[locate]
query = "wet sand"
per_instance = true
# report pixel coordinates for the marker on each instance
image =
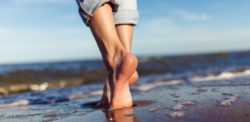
(193, 88)
(218, 100)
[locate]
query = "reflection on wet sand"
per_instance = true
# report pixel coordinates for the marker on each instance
(121, 115)
(126, 114)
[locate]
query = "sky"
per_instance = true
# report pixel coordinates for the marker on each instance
(52, 30)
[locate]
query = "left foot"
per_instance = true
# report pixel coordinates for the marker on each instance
(105, 99)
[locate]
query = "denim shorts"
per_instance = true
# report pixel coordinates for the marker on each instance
(124, 11)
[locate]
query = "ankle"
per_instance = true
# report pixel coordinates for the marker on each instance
(114, 58)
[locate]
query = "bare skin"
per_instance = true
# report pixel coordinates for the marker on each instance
(125, 33)
(122, 115)
(119, 62)
(105, 99)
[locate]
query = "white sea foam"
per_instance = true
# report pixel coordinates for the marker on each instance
(229, 101)
(184, 105)
(149, 86)
(81, 96)
(221, 76)
(40, 87)
(178, 107)
(96, 93)
(15, 104)
(177, 114)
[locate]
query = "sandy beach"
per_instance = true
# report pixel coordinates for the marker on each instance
(171, 60)
(218, 93)
(219, 100)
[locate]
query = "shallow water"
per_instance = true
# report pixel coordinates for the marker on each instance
(187, 102)
(191, 68)
(177, 87)
(155, 72)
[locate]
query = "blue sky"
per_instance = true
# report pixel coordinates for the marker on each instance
(51, 30)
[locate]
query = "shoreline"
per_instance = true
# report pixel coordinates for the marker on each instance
(221, 100)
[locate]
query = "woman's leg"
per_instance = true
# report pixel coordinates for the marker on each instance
(125, 33)
(118, 61)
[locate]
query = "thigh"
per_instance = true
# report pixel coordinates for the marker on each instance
(88, 7)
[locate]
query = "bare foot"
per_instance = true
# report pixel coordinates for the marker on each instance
(119, 85)
(122, 115)
(105, 99)
(133, 79)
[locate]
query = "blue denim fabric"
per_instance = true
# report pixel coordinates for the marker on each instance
(124, 11)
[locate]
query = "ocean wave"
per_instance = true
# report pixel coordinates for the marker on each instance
(155, 84)
(222, 76)
(170, 80)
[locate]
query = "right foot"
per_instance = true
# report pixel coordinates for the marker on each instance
(105, 99)
(133, 79)
(119, 85)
